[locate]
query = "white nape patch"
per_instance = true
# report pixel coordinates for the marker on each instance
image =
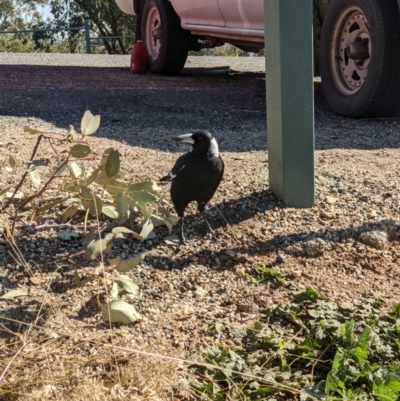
(213, 151)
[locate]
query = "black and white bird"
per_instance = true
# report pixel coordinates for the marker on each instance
(196, 175)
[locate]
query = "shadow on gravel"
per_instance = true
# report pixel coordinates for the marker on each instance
(18, 319)
(146, 110)
(306, 244)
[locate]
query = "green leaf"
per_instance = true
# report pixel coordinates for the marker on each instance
(49, 205)
(141, 196)
(169, 225)
(364, 339)
(16, 293)
(92, 177)
(313, 294)
(147, 186)
(119, 311)
(360, 355)
(66, 235)
(125, 230)
(110, 211)
(80, 151)
(309, 294)
(157, 221)
(91, 202)
(395, 306)
(68, 213)
(104, 158)
(34, 164)
(96, 248)
(33, 131)
(142, 207)
(114, 186)
(89, 123)
(88, 238)
(128, 264)
(173, 219)
(127, 284)
(317, 391)
(80, 282)
(164, 211)
(71, 187)
(3, 192)
(13, 161)
(101, 179)
(114, 290)
(114, 261)
(122, 205)
(70, 133)
(112, 165)
(76, 170)
(147, 229)
(172, 240)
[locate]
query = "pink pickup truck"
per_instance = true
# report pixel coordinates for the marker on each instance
(359, 45)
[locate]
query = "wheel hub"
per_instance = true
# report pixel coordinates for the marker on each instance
(358, 50)
(350, 50)
(153, 33)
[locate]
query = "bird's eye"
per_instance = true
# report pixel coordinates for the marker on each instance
(199, 138)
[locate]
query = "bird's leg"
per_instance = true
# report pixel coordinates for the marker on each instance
(208, 224)
(182, 235)
(223, 217)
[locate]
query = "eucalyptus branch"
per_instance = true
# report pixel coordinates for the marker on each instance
(36, 195)
(19, 185)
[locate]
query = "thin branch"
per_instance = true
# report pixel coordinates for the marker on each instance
(35, 149)
(62, 226)
(10, 363)
(36, 195)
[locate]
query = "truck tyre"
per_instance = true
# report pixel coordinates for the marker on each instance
(166, 42)
(360, 57)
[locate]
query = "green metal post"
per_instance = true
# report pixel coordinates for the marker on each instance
(290, 99)
(87, 37)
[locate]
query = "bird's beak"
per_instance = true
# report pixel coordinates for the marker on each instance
(186, 138)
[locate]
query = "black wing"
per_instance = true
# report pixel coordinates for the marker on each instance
(179, 165)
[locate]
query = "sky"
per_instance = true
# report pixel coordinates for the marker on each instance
(45, 11)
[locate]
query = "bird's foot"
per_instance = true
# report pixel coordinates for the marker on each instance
(212, 232)
(182, 240)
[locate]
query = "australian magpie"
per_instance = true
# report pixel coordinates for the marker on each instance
(196, 175)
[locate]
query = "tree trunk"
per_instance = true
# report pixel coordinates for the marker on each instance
(320, 7)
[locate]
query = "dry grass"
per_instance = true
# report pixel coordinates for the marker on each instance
(58, 358)
(80, 365)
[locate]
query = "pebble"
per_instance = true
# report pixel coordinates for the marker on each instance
(330, 200)
(376, 239)
(280, 258)
(326, 215)
(240, 271)
(314, 248)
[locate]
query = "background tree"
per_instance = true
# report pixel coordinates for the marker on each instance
(320, 7)
(105, 17)
(18, 15)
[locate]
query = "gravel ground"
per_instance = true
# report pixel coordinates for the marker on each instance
(345, 245)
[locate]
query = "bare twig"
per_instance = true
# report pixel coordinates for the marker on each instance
(36, 195)
(10, 363)
(62, 226)
(25, 174)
